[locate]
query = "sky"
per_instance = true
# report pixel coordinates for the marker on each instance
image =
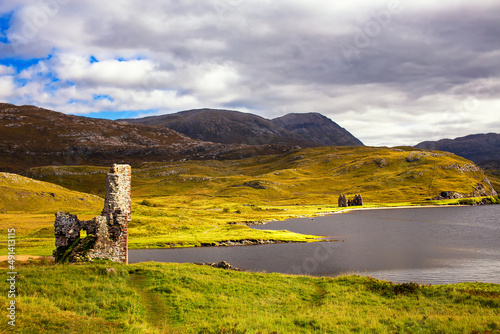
(392, 72)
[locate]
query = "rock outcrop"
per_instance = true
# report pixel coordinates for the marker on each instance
(221, 265)
(107, 234)
(479, 191)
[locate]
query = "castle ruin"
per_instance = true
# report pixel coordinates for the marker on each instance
(344, 202)
(107, 233)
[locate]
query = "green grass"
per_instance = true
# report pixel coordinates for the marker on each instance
(190, 203)
(196, 202)
(29, 206)
(494, 177)
(186, 298)
(23, 194)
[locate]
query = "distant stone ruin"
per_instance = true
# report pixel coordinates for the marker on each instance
(344, 202)
(107, 233)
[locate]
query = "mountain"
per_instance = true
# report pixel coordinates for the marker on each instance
(225, 126)
(234, 127)
(32, 136)
(317, 128)
(483, 149)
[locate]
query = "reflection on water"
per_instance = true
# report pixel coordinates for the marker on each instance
(425, 245)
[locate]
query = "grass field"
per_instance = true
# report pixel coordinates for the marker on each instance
(186, 298)
(195, 202)
(190, 203)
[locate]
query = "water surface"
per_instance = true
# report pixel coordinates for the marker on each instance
(425, 245)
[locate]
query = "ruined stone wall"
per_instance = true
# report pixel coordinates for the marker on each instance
(344, 202)
(110, 228)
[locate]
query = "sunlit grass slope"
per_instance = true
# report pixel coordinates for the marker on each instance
(186, 298)
(310, 176)
(192, 203)
(29, 205)
(27, 195)
(494, 177)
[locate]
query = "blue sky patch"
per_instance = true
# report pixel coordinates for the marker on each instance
(120, 114)
(21, 64)
(4, 26)
(103, 97)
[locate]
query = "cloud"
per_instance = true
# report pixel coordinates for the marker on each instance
(6, 87)
(118, 73)
(6, 70)
(390, 71)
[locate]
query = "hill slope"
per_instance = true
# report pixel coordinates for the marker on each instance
(317, 128)
(32, 136)
(20, 193)
(483, 149)
(225, 126)
(191, 203)
(308, 176)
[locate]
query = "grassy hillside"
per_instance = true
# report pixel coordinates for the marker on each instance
(192, 203)
(309, 176)
(494, 177)
(186, 298)
(29, 205)
(27, 195)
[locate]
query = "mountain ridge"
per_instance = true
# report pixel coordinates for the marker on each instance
(31, 136)
(482, 148)
(317, 128)
(236, 127)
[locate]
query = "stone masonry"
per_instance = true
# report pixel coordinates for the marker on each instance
(344, 202)
(109, 229)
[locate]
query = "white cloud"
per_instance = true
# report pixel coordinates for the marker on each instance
(7, 70)
(131, 73)
(431, 72)
(6, 87)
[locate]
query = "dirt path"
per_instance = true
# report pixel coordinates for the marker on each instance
(216, 227)
(156, 312)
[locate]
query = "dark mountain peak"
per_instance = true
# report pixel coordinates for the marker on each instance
(316, 127)
(236, 127)
(482, 148)
(226, 126)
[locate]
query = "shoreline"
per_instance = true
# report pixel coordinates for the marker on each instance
(396, 207)
(254, 242)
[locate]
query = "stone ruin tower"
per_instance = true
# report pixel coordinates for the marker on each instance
(107, 234)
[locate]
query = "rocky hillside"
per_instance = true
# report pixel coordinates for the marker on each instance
(234, 127)
(32, 136)
(317, 128)
(483, 149)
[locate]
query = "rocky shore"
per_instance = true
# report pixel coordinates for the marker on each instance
(246, 242)
(221, 264)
